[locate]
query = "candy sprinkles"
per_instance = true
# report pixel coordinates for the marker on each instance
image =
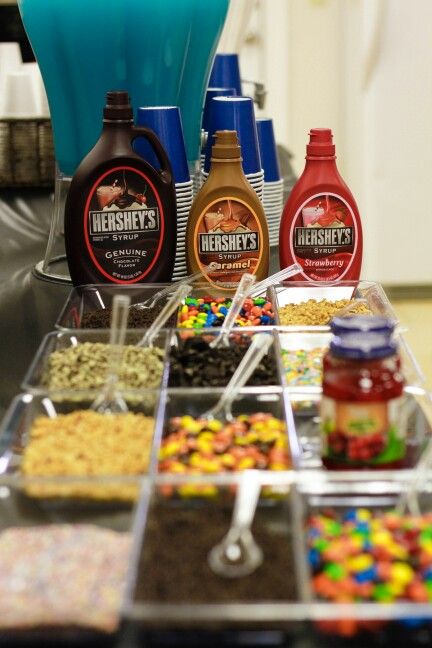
(303, 367)
(207, 312)
(62, 575)
(371, 556)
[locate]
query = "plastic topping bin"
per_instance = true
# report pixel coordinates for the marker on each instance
(95, 297)
(84, 461)
(54, 583)
(156, 603)
(193, 362)
(364, 294)
(369, 496)
(302, 349)
(190, 447)
(36, 380)
(92, 298)
(170, 582)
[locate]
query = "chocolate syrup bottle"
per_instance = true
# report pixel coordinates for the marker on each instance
(120, 215)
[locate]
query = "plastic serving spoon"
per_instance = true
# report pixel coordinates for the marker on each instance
(166, 312)
(238, 554)
(260, 344)
(151, 301)
(243, 289)
(274, 279)
(109, 401)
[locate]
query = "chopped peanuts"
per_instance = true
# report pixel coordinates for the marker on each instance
(88, 444)
(319, 313)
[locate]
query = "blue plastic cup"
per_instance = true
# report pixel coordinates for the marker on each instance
(268, 150)
(235, 113)
(165, 121)
(214, 92)
(226, 72)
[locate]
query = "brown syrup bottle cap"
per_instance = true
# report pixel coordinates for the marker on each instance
(118, 107)
(226, 146)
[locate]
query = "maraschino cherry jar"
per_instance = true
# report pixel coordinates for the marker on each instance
(361, 422)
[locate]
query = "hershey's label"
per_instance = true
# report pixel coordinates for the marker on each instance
(333, 236)
(248, 242)
(128, 221)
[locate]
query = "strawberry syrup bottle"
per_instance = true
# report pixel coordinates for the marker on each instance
(362, 425)
(320, 227)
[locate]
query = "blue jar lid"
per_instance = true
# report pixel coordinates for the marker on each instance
(363, 346)
(362, 323)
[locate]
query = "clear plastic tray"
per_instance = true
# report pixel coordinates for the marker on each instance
(91, 297)
(209, 334)
(33, 381)
(14, 436)
(301, 493)
(377, 492)
(20, 512)
(306, 338)
(371, 293)
(195, 401)
(215, 603)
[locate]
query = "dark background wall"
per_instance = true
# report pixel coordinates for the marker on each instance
(12, 30)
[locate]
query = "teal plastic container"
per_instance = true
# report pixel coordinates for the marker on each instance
(160, 52)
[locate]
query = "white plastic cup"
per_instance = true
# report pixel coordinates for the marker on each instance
(10, 61)
(39, 87)
(20, 96)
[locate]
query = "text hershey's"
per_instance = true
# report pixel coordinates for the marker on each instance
(248, 242)
(133, 220)
(332, 236)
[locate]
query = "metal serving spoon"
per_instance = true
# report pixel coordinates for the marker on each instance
(238, 554)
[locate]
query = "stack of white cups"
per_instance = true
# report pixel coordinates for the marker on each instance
(273, 206)
(184, 199)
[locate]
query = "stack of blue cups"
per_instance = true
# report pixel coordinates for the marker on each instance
(165, 121)
(273, 190)
(226, 73)
(237, 113)
(206, 121)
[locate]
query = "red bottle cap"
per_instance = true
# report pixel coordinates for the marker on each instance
(320, 143)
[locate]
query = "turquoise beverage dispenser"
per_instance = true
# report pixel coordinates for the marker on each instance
(159, 52)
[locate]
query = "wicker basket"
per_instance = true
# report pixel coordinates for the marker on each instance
(26, 153)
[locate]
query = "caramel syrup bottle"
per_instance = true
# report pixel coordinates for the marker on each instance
(227, 225)
(120, 214)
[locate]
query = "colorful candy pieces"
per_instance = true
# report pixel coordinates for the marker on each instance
(303, 367)
(199, 446)
(365, 556)
(207, 312)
